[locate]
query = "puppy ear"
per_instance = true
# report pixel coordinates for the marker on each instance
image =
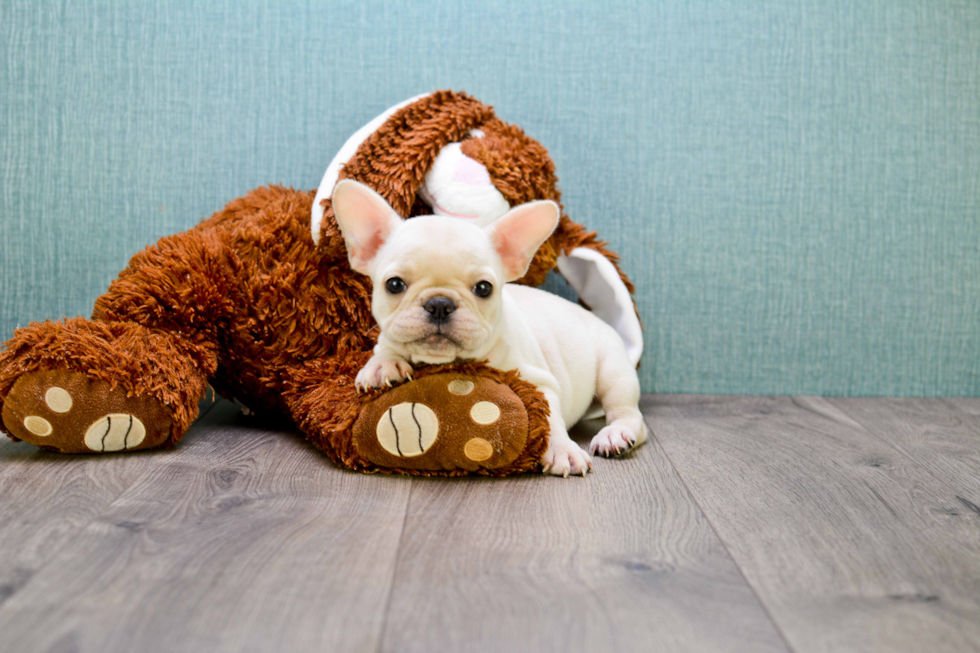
(519, 233)
(366, 220)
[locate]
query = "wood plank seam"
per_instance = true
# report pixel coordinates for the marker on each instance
(866, 536)
(944, 482)
(393, 574)
(654, 441)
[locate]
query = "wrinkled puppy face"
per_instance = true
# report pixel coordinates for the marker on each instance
(437, 281)
(437, 290)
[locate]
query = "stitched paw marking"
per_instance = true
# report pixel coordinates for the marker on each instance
(408, 429)
(461, 387)
(58, 399)
(477, 449)
(484, 412)
(38, 425)
(115, 432)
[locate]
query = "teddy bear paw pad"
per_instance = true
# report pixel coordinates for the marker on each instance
(70, 413)
(408, 429)
(443, 422)
(115, 432)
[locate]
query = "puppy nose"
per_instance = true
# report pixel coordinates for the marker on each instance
(439, 308)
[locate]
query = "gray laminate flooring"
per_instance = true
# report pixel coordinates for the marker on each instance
(746, 524)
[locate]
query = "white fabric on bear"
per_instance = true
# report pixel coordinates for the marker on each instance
(597, 283)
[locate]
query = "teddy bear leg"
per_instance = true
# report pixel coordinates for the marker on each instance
(81, 386)
(131, 377)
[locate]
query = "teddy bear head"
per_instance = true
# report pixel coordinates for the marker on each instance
(448, 154)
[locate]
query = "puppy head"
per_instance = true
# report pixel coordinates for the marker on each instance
(438, 280)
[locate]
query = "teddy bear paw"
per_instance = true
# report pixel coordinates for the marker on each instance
(443, 422)
(70, 413)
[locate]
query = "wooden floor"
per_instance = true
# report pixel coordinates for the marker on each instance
(746, 524)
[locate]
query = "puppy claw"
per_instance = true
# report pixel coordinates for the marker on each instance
(382, 372)
(614, 440)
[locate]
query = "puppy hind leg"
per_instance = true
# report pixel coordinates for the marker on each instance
(618, 390)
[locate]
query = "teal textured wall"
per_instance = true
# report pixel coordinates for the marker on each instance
(794, 186)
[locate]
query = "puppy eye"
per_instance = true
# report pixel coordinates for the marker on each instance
(395, 286)
(483, 289)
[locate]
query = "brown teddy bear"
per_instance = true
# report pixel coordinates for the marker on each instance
(270, 314)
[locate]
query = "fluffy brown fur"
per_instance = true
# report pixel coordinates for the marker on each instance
(246, 302)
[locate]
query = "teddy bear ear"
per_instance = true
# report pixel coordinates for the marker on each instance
(348, 150)
(365, 219)
(519, 233)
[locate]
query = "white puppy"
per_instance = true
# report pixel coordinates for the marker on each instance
(440, 295)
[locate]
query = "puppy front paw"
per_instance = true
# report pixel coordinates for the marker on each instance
(613, 440)
(564, 457)
(382, 372)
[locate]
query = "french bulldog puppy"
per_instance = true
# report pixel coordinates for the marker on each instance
(441, 295)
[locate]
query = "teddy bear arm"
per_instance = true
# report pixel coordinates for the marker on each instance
(452, 420)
